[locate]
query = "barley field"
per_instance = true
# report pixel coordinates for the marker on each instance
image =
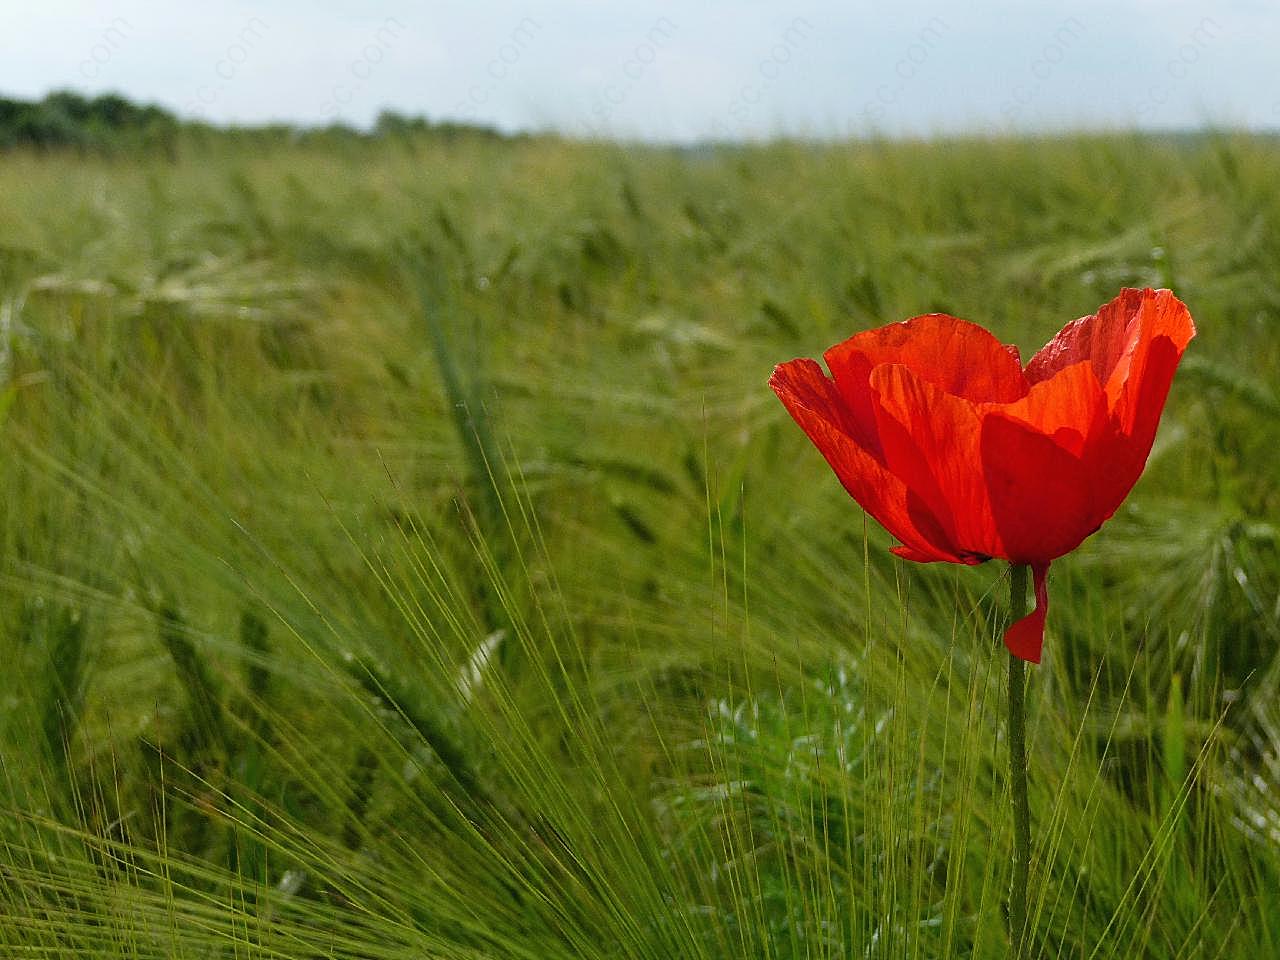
(402, 555)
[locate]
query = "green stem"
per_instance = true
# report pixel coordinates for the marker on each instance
(1018, 771)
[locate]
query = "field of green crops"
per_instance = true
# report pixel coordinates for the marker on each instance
(402, 555)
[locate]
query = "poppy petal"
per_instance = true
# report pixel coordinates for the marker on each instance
(931, 442)
(1119, 457)
(910, 553)
(1161, 315)
(1144, 395)
(1099, 338)
(817, 406)
(1070, 406)
(956, 356)
(1025, 638)
(1110, 338)
(1040, 492)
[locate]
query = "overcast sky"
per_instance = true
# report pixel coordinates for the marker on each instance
(668, 71)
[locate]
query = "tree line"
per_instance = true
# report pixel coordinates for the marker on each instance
(111, 122)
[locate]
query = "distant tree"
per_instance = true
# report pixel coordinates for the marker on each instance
(111, 122)
(65, 118)
(390, 123)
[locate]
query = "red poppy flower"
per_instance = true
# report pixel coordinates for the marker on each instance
(938, 431)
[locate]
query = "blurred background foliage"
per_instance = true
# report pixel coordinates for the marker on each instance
(402, 555)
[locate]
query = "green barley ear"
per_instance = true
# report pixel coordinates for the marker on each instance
(64, 631)
(396, 697)
(440, 314)
(255, 643)
(487, 514)
(1234, 382)
(255, 638)
(203, 698)
(1174, 743)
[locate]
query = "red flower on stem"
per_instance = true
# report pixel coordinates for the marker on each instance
(962, 454)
